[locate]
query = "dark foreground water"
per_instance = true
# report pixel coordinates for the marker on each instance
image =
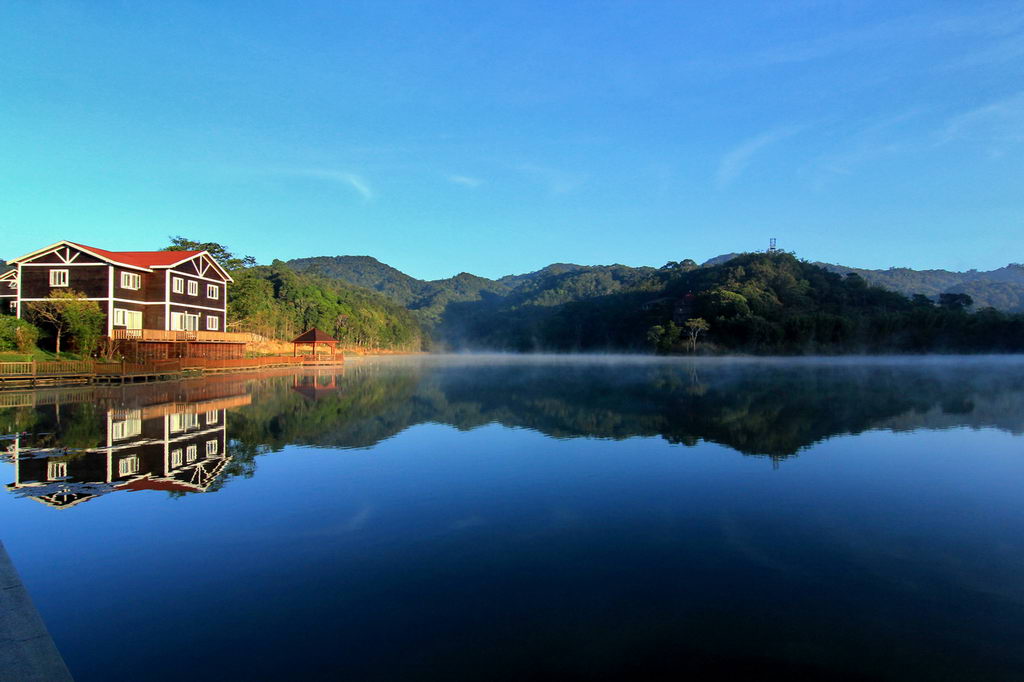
(511, 518)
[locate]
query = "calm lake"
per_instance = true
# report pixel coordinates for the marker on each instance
(509, 518)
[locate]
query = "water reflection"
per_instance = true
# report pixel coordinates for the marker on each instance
(71, 446)
(77, 446)
(767, 409)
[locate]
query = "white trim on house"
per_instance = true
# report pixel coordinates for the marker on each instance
(129, 300)
(46, 250)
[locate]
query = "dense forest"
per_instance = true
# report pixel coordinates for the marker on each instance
(756, 303)
(277, 302)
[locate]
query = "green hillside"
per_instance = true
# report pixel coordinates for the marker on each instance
(1002, 288)
(278, 302)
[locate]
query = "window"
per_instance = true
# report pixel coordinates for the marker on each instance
(126, 466)
(132, 319)
(176, 458)
(211, 448)
(58, 278)
(212, 322)
(129, 428)
(55, 470)
(191, 452)
(193, 288)
(14, 306)
(184, 321)
(131, 280)
(182, 421)
(212, 417)
(212, 291)
(177, 285)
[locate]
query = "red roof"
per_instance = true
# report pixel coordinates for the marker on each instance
(142, 259)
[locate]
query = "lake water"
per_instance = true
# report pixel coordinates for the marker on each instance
(509, 518)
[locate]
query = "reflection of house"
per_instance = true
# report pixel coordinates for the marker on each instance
(174, 447)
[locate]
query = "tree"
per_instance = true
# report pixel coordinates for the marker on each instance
(69, 313)
(695, 326)
(955, 301)
(219, 252)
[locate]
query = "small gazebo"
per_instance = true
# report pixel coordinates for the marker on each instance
(313, 337)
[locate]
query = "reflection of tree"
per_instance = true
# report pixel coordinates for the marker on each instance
(755, 408)
(68, 426)
(761, 409)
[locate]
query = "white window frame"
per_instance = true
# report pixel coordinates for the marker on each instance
(126, 466)
(56, 470)
(178, 285)
(212, 417)
(213, 323)
(58, 278)
(177, 458)
(130, 319)
(212, 291)
(191, 452)
(128, 428)
(193, 288)
(183, 421)
(212, 446)
(131, 280)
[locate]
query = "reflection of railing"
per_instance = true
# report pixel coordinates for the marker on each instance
(128, 368)
(177, 335)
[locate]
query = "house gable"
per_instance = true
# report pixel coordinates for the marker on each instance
(61, 253)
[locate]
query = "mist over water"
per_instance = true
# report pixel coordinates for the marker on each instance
(506, 516)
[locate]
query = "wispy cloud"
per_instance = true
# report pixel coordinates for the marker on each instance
(347, 179)
(999, 124)
(733, 163)
(465, 181)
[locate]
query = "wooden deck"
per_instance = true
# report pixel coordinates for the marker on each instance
(179, 336)
(38, 374)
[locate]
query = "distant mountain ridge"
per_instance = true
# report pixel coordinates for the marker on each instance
(1002, 288)
(429, 299)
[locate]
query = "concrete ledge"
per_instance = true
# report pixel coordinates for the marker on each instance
(27, 652)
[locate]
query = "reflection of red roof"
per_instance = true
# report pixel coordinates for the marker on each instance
(142, 259)
(150, 484)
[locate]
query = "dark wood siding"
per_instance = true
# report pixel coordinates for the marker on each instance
(90, 280)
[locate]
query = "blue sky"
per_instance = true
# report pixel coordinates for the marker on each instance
(498, 137)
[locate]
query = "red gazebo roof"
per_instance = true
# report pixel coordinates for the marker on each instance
(314, 335)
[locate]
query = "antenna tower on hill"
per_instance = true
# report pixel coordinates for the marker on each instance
(771, 245)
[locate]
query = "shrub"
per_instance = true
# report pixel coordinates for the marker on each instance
(17, 335)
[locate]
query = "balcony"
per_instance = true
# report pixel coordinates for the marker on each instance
(179, 336)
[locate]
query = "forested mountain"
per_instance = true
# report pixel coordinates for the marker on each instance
(278, 302)
(430, 301)
(1002, 289)
(760, 302)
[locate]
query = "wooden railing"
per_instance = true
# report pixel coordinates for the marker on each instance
(174, 336)
(154, 368)
(51, 368)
